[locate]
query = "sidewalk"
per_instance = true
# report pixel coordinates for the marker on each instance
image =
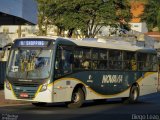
(8, 102)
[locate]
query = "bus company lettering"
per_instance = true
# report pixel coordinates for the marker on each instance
(112, 78)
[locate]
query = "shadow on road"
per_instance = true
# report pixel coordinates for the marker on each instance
(112, 109)
(95, 104)
(86, 104)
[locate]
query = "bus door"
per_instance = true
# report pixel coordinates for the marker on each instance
(64, 61)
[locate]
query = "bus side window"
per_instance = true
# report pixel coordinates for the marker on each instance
(129, 62)
(154, 65)
(78, 54)
(103, 59)
(86, 59)
(133, 64)
(115, 59)
(141, 58)
(148, 63)
(95, 61)
(64, 61)
(82, 58)
(103, 54)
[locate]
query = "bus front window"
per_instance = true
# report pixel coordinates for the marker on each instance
(29, 64)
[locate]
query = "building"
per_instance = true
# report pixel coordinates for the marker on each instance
(156, 37)
(136, 24)
(16, 12)
(137, 8)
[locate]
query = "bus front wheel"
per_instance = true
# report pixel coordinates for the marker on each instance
(133, 96)
(77, 99)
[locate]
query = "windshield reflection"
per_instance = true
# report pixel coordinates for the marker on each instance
(29, 64)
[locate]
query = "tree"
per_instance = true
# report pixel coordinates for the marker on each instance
(88, 16)
(43, 20)
(97, 13)
(123, 14)
(151, 14)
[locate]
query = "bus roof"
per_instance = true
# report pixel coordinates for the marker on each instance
(117, 45)
(147, 50)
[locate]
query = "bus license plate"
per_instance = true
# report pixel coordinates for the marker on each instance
(24, 95)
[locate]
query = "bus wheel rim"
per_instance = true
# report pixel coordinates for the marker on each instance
(76, 97)
(135, 94)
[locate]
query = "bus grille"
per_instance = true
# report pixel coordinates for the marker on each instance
(26, 85)
(31, 91)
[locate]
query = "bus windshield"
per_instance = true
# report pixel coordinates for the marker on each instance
(29, 63)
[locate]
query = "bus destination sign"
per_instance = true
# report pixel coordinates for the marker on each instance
(35, 43)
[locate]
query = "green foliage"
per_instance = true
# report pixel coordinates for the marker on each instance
(152, 14)
(42, 16)
(88, 16)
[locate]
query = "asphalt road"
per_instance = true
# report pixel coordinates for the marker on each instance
(147, 108)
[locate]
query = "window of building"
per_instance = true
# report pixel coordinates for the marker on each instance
(136, 25)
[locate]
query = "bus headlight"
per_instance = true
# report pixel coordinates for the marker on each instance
(43, 88)
(8, 85)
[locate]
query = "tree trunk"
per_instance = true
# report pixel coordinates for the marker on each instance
(70, 32)
(59, 31)
(46, 29)
(19, 31)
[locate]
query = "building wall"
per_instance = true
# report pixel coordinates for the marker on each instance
(137, 8)
(140, 27)
(10, 33)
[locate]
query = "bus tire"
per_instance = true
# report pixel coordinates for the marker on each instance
(77, 99)
(39, 104)
(133, 96)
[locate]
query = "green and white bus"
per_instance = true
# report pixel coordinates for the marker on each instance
(47, 70)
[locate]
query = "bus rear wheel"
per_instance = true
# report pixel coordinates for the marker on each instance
(133, 96)
(77, 99)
